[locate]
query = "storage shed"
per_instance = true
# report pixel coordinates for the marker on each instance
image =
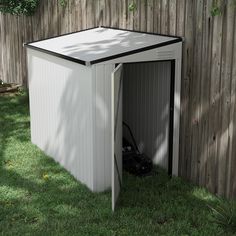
(83, 84)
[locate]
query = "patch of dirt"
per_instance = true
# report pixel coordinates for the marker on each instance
(6, 89)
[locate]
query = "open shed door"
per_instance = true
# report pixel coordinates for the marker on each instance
(117, 91)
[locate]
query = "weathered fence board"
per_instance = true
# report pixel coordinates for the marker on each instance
(208, 98)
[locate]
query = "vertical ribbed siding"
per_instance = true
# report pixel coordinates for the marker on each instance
(61, 112)
(146, 107)
(102, 126)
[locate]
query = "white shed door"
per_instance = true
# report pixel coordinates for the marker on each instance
(117, 90)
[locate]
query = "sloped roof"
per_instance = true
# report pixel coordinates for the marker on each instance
(101, 44)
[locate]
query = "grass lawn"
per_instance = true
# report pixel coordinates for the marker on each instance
(38, 197)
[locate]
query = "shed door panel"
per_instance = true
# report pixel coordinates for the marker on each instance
(117, 91)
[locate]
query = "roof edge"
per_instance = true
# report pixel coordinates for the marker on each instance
(85, 63)
(177, 40)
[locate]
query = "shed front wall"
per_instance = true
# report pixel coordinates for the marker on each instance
(61, 112)
(102, 98)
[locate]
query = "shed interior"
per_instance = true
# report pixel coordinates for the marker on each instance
(146, 107)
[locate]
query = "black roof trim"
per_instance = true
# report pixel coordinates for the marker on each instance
(135, 51)
(56, 54)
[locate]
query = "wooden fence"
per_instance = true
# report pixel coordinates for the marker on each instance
(208, 100)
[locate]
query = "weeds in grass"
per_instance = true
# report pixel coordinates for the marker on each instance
(224, 214)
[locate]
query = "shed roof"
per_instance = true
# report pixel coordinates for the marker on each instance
(101, 44)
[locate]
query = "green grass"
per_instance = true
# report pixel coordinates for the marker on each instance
(38, 197)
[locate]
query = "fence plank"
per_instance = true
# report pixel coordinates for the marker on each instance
(204, 95)
(185, 141)
(215, 96)
(195, 89)
(157, 16)
(226, 63)
(165, 16)
(150, 8)
(114, 14)
(172, 17)
(231, 180)
(137, 15)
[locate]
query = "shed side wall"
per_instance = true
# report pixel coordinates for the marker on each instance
(61, 112)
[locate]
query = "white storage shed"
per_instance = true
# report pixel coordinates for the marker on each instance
(83, 84)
